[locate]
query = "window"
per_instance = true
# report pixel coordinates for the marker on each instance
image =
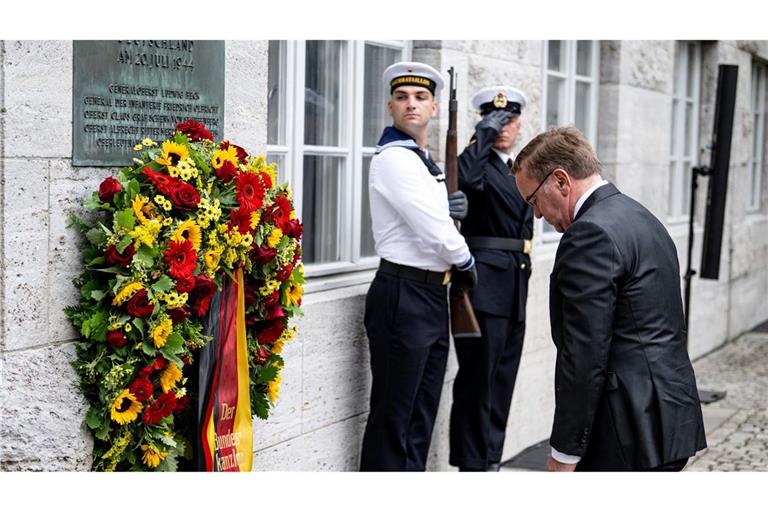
(757, 160)
(570, 88)
(326, 111)
(685, 128)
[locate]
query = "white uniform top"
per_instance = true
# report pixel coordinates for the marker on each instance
(409, 212)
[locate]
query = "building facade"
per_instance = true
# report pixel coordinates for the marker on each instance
(317, 109)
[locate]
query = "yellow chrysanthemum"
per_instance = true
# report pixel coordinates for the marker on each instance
(170, 377)
(175, 300)
(125, 408)
(274, 237)
(126, 293)
(149, 142)
(146, 234)
(161, 332)
(273, 388)
(293, 294)
(137, 147)
(223, 155)
(270, 169)
(172, 154)
(212, 258)
(141, 208)
(188, 230)
(152, 457)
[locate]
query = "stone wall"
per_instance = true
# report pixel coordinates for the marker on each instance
(41, 410)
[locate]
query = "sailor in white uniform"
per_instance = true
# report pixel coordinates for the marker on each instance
(406, 310)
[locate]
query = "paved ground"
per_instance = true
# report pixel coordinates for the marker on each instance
(736, 426)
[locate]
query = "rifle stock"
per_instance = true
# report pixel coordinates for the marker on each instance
(463, 321)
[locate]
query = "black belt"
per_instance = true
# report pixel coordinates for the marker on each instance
(504, 244)
(414, 274)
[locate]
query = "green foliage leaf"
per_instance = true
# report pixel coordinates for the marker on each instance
(96, 236)
(123, 243)
(163, 284)
(125, 219)
(148, 348)
(173, 345)
(146, 255)
(267, 374)
(97, 295)
(95, 419)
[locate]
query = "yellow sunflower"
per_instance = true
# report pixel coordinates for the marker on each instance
(169, 377)
(273, 388)
(151, 456)
(188, 230)
(255, 219)
(126, 293)
(274, 237)
(161, 332)
(223, 155)
(125, 408)
(172, 154)
(142, 208)
(212, 258)
(293, 294)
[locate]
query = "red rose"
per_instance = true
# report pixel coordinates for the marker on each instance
(249, 191)
(116, 339)
(241, 153)
(142, 389)
(145, 372)
(284, 273)
(275, 312)
(115, 258)
(185, 284)
(273, 299)
(264, 254)
(178, 315)
(271, 331)
(250, 294)
(108, 188)
(226, 172)
(139, 305)
(159, 363)
(200, 296)
(181, 259)
(184, 197)
(294, 229)
(194, 131)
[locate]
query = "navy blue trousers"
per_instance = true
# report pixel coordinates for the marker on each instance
(482, 391)
(407, 327)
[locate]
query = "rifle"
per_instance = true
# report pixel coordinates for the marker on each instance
(463, 321)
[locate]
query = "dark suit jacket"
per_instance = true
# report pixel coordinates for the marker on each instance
(625, 392)
(496, 209)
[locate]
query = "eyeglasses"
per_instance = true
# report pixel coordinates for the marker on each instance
(529, 199)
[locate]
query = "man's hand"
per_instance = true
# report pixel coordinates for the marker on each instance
(458, 205)
(495, 120)
(554, 465)
(465, 279)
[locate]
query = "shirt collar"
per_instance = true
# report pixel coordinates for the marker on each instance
(504, 156)
(586, 195)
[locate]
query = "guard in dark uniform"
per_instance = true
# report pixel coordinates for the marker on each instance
(406, 309)
(498, 229)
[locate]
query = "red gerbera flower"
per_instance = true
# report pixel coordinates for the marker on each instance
(193, 130)
(181, 258)
(226, 172)
(160, 408)
(250, 191)
(164, 183)
(142, 389)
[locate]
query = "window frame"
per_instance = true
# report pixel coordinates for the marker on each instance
(571, 78)
(678, 210)
(350, 148)
(758, 95)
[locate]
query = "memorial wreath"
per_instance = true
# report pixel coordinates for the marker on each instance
(158, 243)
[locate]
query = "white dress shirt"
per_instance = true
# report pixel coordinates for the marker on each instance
(504, 156)
(561, 457)
(409, 213)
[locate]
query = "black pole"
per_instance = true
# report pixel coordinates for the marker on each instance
(689, 272)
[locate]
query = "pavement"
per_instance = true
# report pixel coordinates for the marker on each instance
(736, 426)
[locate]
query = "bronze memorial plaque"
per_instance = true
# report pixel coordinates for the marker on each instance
(126, 91)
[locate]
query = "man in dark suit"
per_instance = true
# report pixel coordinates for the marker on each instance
(625, 391)
(498, 229)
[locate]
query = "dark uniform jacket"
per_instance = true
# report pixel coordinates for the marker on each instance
(496, 209)
(625, 391)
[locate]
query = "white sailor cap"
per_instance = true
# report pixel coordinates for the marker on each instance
(499, 97)
(413, 73)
